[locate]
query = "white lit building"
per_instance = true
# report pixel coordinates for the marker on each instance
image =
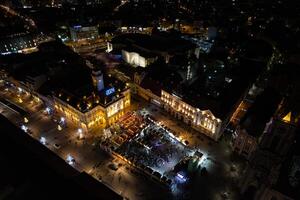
(136, 59)
(202, 120)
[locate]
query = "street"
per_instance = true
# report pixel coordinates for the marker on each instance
(125, 180)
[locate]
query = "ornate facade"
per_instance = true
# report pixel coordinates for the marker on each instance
(202, 120)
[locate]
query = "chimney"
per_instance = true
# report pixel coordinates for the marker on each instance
(98, 81)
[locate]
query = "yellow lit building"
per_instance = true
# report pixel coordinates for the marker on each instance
(101, 107)
(96, 111)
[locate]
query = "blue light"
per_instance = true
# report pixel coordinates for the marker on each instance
(24, 128)
(180, 177)
(43, 140)
(110, 91)
(70, 159)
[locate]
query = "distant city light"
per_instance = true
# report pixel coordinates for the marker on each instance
(180, 177)
(62, 120)
(80, 133)
(43, 140)
(70, 159)
(24, 128)
(26, 120)
(48, 110)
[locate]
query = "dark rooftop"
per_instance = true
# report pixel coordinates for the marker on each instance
(86, 97)
(160, 76)
(219, 96)
(153, 43)
(261, 112)
(288, 182)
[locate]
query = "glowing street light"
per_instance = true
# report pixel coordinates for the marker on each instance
(80, 133)
(24, 128)
(70, 159)
(43, 140)
(26, 120)
(62, 120)
(180, 176)
(48, 110)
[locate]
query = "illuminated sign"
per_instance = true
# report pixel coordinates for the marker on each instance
(110, 91)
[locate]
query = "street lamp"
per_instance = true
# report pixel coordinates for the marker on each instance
(48, 110)
(26, 120)
(80, 133)
(43, 140)
(70, 159)
(24, 128)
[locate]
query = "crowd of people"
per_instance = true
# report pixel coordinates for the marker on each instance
(154, 148)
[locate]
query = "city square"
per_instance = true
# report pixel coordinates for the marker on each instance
(149, 99)
(156, 148)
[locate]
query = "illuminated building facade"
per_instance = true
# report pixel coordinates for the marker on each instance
(202, 120)
(197, 101)
(97, 116)
(137, 59)
(84, 32)
(101, 106)
(95, 111)
(88, 98)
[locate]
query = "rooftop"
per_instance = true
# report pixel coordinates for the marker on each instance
(87, 97)
(261, 112)
(160, 77)
(153, 43)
